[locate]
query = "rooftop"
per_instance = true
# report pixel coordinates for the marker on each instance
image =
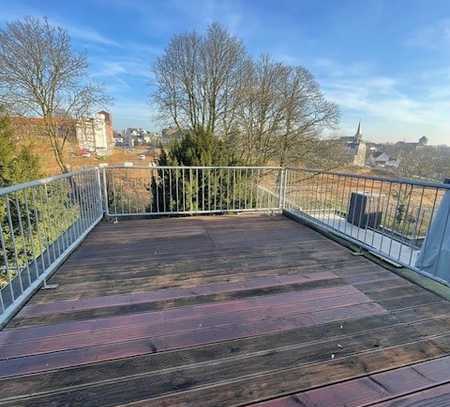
(221, 311)
(224, 286)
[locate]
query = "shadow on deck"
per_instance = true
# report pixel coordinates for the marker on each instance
(225, 311)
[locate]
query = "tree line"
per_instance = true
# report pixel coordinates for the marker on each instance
(256, 110)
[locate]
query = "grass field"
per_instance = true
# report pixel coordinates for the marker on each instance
(74, 159)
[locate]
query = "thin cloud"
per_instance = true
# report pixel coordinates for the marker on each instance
(393, 108)
(126, 67)
(88, 34)
(433, 37)
(79, 32)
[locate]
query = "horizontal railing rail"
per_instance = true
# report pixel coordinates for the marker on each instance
(409, 181)
(170, 190)
(404, 221)
(41, 222)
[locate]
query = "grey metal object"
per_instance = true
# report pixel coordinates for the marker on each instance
(387, 216)
(162, 191)
(41, 223)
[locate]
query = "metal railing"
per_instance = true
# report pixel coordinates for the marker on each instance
(401, 220)
(41, 222)
(159, 191)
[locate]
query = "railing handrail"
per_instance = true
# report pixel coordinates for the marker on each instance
(180, 190)
(405, 221)
(42, 181)
(400, 180)
(203, 167)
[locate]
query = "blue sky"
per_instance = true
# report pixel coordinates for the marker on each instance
(386, 63)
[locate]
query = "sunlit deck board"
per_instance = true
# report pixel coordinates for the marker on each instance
(427, 382)
(218, 311)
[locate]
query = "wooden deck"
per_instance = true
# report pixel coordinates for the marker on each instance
(225, 311)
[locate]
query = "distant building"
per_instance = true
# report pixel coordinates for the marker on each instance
(95, 134)
(137, 136)
(355, 148)
(129, 135)
(118, 139)
(409, 147)
(383, 160)
(26, 128)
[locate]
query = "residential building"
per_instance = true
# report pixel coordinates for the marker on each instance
(95, 134)
(137, 136)
(383, 160)
(118, 138)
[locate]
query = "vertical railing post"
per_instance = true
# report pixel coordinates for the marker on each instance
(100, 207)
(105, 193)
(285, 188)
(281, 188)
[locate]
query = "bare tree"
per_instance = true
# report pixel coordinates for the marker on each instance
(283, 114)
(199, 79)
(41, 75)
(306, 113)
(261, 111)
(265, 110)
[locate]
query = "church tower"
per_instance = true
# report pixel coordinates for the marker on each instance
(358, 134)
(359, 148)
(355, 148)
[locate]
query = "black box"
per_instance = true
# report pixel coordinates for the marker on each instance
(362, 210)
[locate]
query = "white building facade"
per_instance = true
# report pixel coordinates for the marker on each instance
(95, 134)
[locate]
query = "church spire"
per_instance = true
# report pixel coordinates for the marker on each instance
(358, 135)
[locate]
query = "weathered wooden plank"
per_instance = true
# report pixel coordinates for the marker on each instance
(139, 304)
(382, 285)
(371, 389)
(232, 382)
(254, 329)
(248, 389)
(172, 293)
(235, 264)
(168, 322)
(68, 358)
(346, 328)
(302, 301)
(434, 397)
(119, 270)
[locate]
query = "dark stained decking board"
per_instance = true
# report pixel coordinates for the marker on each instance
(225, 311)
